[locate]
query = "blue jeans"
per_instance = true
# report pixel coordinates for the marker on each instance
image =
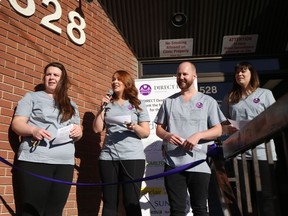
(176, 186)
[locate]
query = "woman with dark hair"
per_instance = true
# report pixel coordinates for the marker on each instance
(245, 82)
(244, 102)
(37, 119)
(122, 157)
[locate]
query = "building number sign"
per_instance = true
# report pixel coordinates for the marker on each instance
(48, 20)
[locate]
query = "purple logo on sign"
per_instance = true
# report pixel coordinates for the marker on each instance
(199, 105)
(256, 100)
(145, 89)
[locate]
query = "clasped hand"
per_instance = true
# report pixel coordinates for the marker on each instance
(130, 125)
(75, 132)
(187, 144)
(228, 129)
(41, 133)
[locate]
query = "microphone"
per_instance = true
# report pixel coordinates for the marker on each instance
(109, 93)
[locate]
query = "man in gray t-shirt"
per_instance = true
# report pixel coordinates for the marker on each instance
(188, 122)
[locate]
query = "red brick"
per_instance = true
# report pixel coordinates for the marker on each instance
(26, 48)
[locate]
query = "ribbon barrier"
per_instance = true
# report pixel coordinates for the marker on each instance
(212, 152)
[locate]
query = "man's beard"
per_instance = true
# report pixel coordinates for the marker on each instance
(185, 85)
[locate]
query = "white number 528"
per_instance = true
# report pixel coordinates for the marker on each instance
(47, 21)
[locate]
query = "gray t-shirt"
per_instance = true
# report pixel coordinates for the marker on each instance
(247, 109)
(121, 143)
(200, 113)
(41, 111)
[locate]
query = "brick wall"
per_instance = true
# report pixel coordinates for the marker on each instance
(26, 47)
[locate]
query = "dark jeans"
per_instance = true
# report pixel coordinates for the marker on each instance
(176, 186)
(39, 197)
(119, 171)
(215, 208)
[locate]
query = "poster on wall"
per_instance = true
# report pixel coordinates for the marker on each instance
(154, 198)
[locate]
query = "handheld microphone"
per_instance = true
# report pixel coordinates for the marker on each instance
(109, 93)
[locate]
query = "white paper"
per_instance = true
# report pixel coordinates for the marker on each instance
(118, 119)
(63, 135)
(197, 148)
(238, 124)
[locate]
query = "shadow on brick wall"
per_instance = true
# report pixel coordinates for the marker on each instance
(88, 150)
(14, 141)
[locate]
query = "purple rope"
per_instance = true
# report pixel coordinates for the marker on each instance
(212, 152)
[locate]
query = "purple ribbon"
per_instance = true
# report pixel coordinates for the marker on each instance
(213, 151)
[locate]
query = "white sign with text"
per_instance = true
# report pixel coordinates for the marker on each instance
(234, 44)
(176, 47)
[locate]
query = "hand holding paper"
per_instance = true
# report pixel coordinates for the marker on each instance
(196, 148)
(63, 135)
(238, 124)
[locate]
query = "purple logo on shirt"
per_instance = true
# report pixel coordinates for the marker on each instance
(145, 89)
(256, 100)
(130, 107)
(199, 105)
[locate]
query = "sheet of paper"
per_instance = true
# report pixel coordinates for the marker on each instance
(118, 119)
(197, 148)
(63, 135)
(238, 124)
